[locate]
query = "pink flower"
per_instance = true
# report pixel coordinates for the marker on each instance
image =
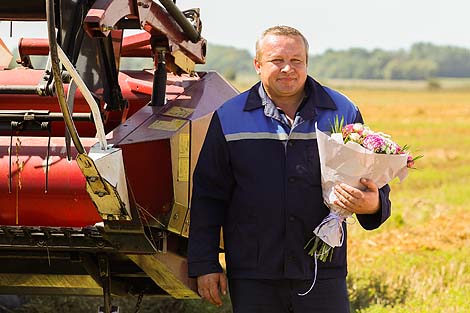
(410, 163)
(374, 143)
(348, 129)
(377, 142)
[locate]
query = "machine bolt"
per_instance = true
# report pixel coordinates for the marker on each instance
(105, 28)
(143, 5)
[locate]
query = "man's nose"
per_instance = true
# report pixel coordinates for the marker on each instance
(287, 67)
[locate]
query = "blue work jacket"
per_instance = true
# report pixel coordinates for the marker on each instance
(260, 180)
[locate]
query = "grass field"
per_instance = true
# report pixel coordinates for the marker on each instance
(419, 260)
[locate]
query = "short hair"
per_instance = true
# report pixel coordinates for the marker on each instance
(281, 30)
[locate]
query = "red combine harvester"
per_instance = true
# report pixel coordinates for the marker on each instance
(96, 162)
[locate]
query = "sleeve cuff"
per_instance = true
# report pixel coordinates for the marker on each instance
(196, 269)
(373, 221)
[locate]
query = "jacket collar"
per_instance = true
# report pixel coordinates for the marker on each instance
(315, 97)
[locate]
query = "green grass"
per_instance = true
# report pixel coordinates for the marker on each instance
(418, 281)
(418, 261)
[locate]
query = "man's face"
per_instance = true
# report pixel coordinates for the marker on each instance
(282, 65)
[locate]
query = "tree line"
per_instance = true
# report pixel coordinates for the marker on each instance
(420, 61)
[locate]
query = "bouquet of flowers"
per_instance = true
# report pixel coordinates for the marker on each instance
(352, 152)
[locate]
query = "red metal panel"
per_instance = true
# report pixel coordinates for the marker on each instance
(148, 170)
(26, 201)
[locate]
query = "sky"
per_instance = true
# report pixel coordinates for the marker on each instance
(332, 24)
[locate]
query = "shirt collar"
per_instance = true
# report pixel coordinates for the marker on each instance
(270, 108)
(315, 97)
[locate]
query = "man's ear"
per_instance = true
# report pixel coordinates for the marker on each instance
(257, 66)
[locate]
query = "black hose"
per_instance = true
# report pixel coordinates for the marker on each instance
(182, 21)
(159, 82)
(18, 90)
(59, 87)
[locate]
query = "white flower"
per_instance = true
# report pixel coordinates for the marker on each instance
(357, 127)
(355, 137)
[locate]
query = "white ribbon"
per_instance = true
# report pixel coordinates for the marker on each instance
(337, 224)
(314, 278)
(330, 230)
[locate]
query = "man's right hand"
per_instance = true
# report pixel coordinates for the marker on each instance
(209, 286)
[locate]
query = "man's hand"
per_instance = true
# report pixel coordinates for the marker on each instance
(209, 286)
(358, 201)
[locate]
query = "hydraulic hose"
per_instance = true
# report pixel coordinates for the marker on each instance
(59, 87)
(179, 17)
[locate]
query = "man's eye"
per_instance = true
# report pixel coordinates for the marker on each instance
(297, 61)
(277, 61)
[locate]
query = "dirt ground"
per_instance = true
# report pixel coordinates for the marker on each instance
(440, 232)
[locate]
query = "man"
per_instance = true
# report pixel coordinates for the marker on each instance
(258, 176)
